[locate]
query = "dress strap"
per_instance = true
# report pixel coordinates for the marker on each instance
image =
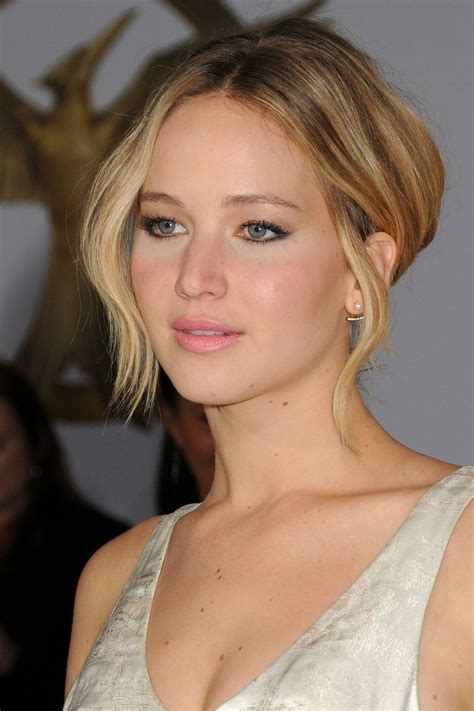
(401, 581)
(425, 535)
(151, 558)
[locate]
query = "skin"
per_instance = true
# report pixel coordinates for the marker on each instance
(292, 515)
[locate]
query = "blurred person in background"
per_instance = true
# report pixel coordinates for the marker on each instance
(47, 533)
(186, 467)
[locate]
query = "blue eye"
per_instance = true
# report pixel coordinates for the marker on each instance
(160, 227)
(257, 230)
(166, 226)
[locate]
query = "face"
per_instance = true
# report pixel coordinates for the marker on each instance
(15, 467)
(233, 228)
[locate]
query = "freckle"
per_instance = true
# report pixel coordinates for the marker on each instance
(219, 577)
(284, 403)
(218, 570)
(276, 454)
(435, 698)
(212, 602)
(251, 386)
(271, 599)
(202, 609)
(270, 402)
(249, 507)
(239, 649)
(167, 642)
(221, 657)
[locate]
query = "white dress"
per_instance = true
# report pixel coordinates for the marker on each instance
(360, 654)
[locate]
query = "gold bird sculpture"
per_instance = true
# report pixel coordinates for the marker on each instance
(51, 157)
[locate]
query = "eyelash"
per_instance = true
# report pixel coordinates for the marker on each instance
(280, 233)
(148, 224)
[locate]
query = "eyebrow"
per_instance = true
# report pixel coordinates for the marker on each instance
(151, 196)
(229, 201)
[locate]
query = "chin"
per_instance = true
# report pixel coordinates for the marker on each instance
(214, 392)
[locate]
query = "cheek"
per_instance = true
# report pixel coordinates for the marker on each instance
(140, 273)
(150, 281)
(299, 290)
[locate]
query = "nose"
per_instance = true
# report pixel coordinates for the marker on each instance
(202, 271)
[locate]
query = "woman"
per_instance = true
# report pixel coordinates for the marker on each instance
(274, 190)
(47, 534)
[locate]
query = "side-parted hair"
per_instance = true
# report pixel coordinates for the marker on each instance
(378, 166)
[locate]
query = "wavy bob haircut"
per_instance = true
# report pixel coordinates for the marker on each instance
(377, 163)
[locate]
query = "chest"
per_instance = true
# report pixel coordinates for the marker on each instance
(344, 622)
(223, 617)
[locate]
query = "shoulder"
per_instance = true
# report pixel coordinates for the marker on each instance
(99, 588)
(417, 471)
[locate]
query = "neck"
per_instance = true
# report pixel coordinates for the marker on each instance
(286, 444)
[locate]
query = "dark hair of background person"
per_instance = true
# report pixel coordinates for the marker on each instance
(176, 484)
(47, 456)
(43, 552)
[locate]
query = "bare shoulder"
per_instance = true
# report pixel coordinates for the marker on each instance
(99, 588)
(421, 470)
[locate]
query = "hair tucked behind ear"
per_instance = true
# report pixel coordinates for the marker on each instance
(378, 165)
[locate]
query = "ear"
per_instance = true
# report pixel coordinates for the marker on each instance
(382, 249)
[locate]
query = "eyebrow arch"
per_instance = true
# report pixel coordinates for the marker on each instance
(229, 201)
(255, 198)
(151, 196)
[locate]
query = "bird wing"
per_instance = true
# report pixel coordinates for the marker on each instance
(205, 17)
(211, 18)
(17, 169)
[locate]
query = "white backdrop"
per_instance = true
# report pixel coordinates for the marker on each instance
(423, 393)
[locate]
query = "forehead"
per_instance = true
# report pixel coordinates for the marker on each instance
(218, 137)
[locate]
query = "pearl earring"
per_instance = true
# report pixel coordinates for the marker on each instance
(357, 307)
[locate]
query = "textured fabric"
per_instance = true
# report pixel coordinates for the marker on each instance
(360, 654)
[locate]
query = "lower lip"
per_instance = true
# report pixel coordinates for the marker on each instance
(206, 344)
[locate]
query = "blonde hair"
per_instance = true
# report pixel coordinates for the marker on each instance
(379, 167)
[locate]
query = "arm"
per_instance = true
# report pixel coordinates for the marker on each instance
(99, 588)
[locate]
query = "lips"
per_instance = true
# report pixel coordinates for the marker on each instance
(221, 335)
(203, 324)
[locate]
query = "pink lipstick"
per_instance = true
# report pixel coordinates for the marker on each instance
(204, 335)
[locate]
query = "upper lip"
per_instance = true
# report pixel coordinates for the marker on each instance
(186, 323)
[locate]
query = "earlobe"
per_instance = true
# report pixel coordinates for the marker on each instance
(383, 251)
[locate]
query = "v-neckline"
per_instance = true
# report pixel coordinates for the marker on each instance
(318, 622)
